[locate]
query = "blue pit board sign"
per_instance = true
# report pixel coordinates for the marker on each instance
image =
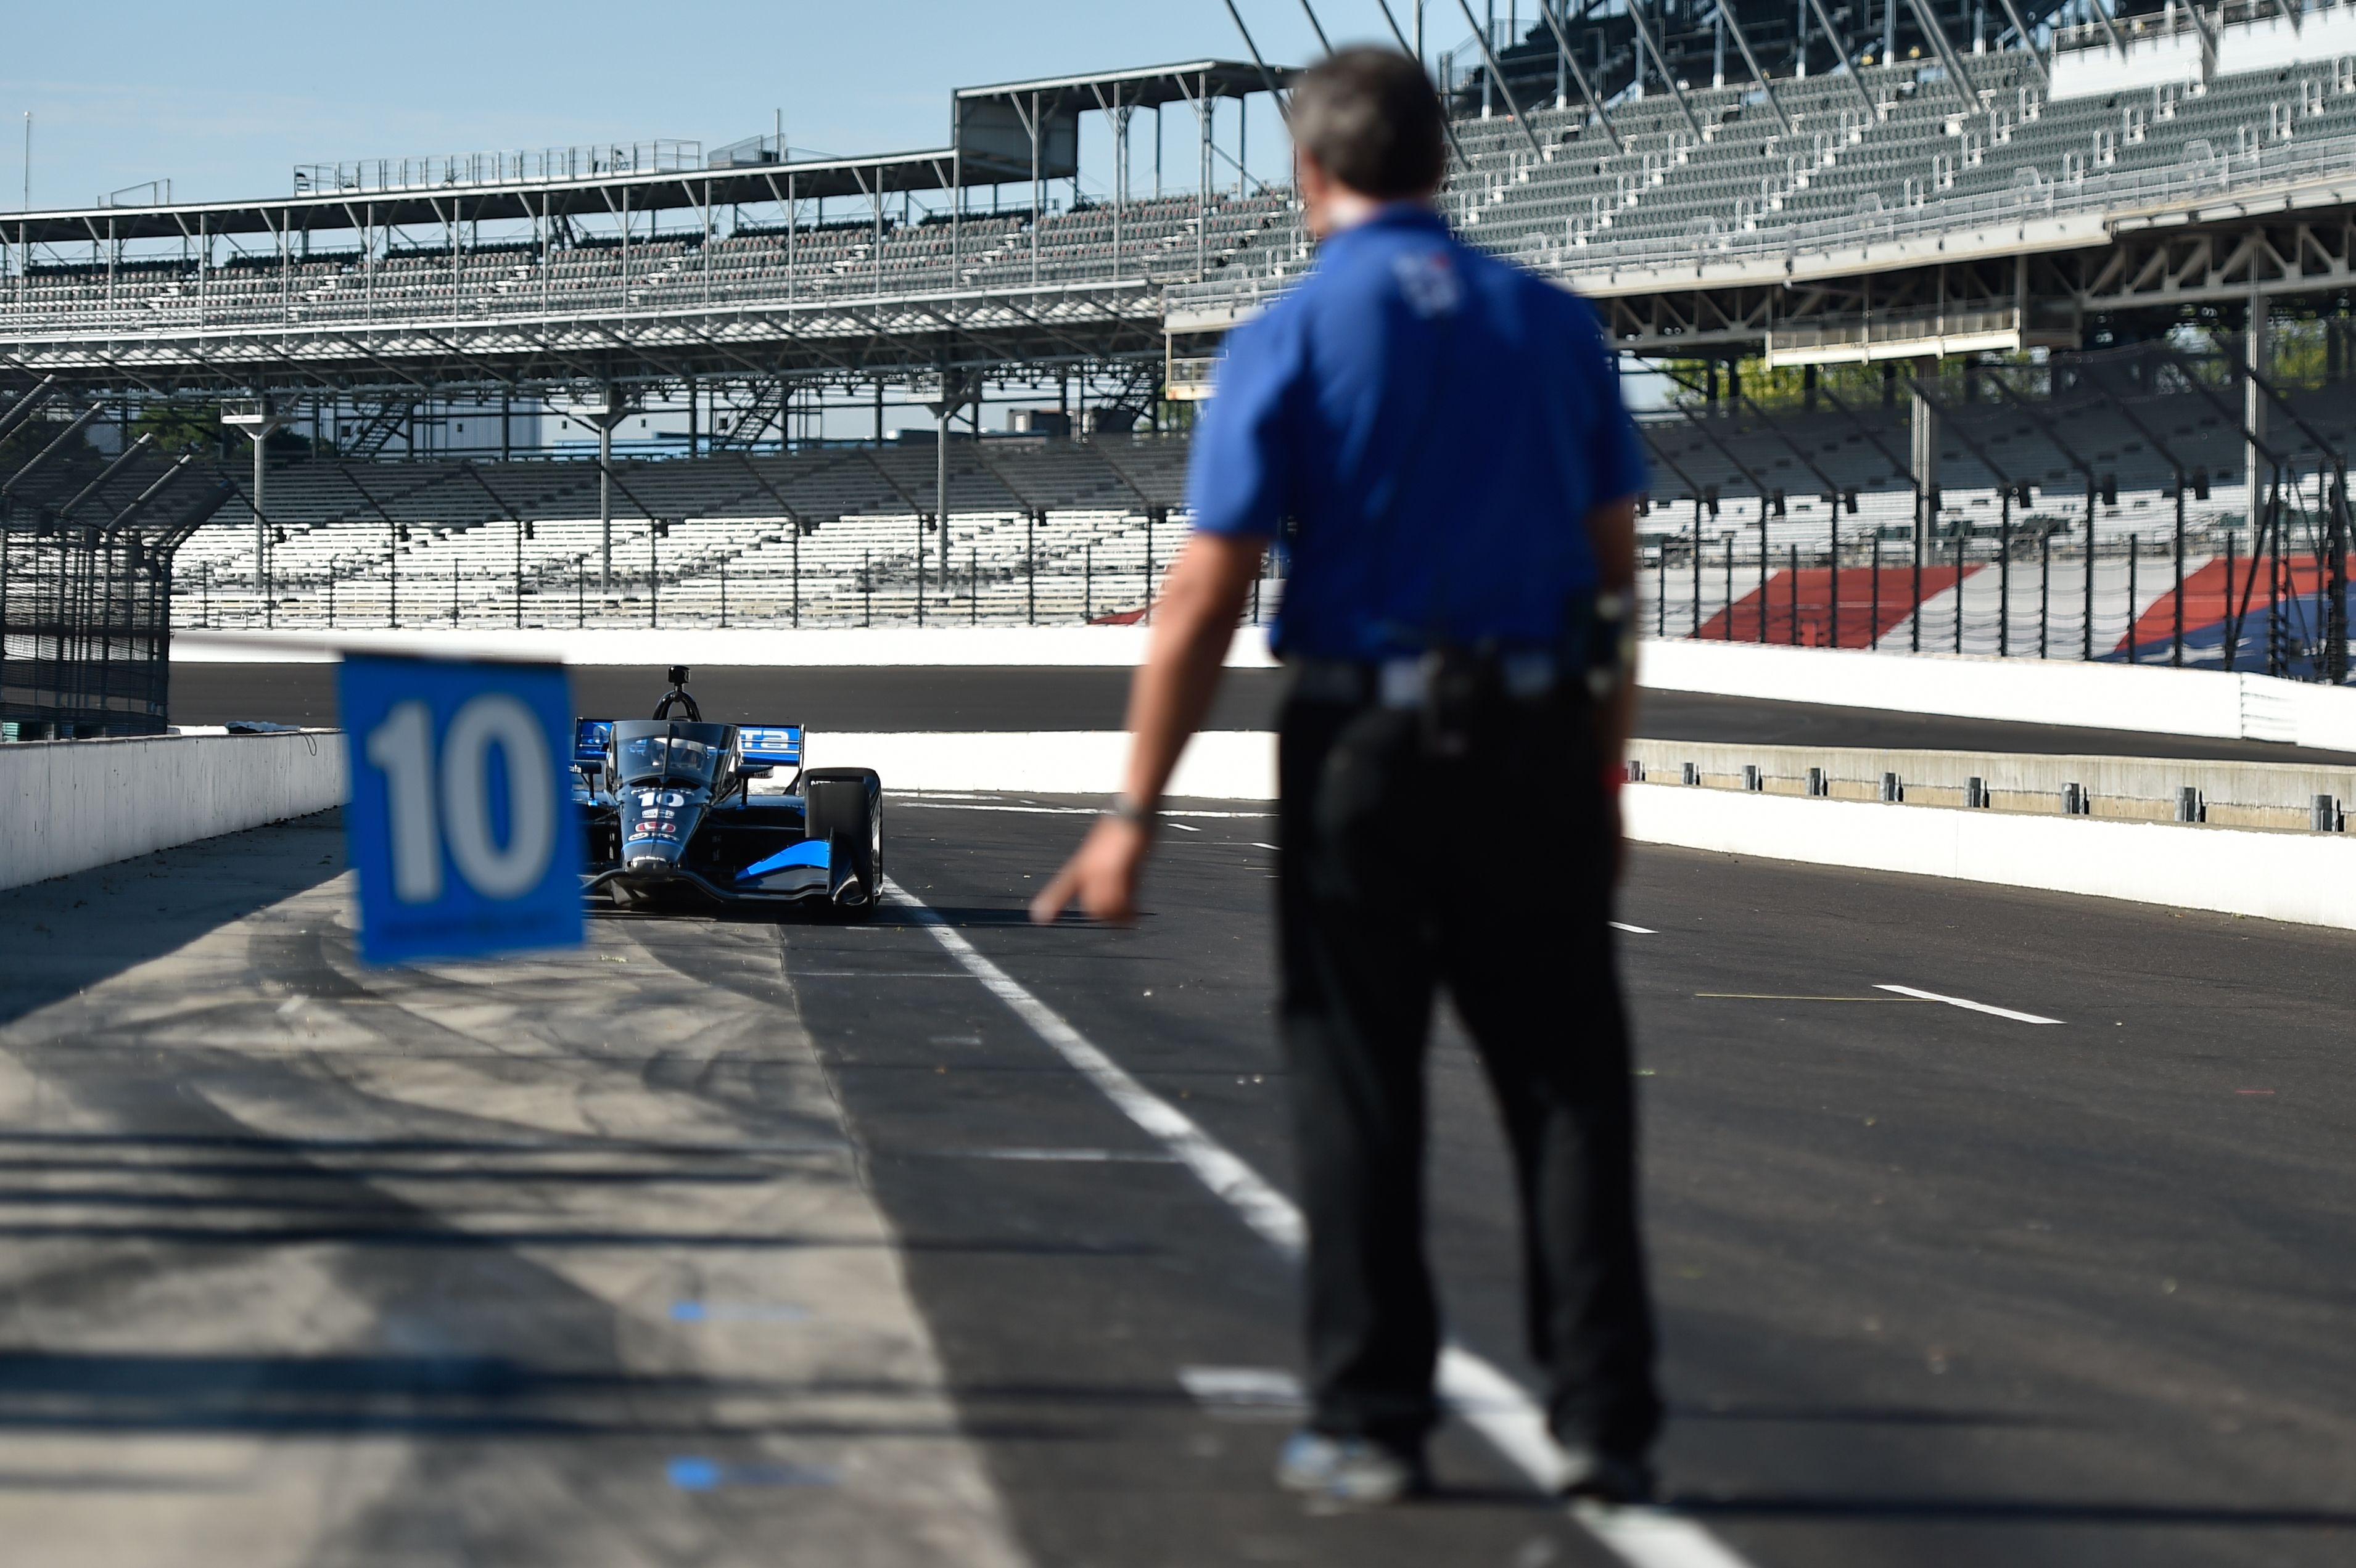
(461, 827)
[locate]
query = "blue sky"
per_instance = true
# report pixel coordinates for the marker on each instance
(225, 103)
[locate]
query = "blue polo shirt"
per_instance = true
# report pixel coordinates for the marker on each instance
(1436, 423)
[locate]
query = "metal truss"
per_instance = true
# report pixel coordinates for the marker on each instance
(854, 337)
(2168, 268)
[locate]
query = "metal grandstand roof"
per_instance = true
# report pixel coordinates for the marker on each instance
(1056, 98)
(1030, 130)
(1146, 87)
(604, 195)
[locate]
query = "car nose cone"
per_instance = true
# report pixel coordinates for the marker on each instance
(655, 828)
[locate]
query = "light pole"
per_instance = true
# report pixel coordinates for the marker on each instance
(615, 410)
(259, 418)
(956, 391)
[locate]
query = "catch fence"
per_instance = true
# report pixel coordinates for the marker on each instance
(86, 550)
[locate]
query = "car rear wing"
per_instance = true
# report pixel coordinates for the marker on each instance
(770, 745)
(592, 739)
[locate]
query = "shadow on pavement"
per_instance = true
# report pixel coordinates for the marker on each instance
(2002, 1510)
(72, 931)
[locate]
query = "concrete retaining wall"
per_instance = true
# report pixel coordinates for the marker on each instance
(2150, 698)
(1219, 764)
(72, 804)
(2144, 789)
(2277, 876)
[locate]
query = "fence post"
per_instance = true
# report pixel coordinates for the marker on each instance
(973, 586)
(2134, 552)
(2004, 582)
(2086, 628)
(1873, 632)
(1031, 565)
(1088, 583)
(2044, 588)
(1793, 558)
(1833, 591)
(1959, 587)
(2277, 656)
(1152, 515)
(1697, 566)
(798, 572)
(2176, 648)
(1730, 579)
(1766, 575)
(1914, 637)
(867, 587)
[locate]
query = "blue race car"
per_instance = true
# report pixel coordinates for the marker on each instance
(672, 819)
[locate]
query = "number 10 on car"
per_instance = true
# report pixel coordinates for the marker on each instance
(461, 826)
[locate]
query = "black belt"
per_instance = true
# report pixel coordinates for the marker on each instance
(1526, 674)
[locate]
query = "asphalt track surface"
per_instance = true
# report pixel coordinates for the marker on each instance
(923, 697)
(1937, 1285)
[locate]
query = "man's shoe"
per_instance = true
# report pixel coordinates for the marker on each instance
(1590, 1475)
(1348, 1469)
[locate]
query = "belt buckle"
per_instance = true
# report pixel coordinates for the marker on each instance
(1401, 683)
(1527, 675)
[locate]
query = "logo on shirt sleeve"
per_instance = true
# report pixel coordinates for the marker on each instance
(1428, 281)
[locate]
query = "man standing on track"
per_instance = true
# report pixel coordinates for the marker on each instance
(1438, 439)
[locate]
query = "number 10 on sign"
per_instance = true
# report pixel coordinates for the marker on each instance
(461, 826)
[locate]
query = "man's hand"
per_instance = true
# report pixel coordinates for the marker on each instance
(1194, 619)
(1102, 875)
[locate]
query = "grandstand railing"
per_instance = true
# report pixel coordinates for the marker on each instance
(545, 166)
(2027, 594)
(1578, 260)
(1111, 580)
(1157, 243)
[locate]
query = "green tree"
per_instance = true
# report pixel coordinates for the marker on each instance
(180, 427)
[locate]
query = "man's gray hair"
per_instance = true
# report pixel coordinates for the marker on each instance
(1371, 120)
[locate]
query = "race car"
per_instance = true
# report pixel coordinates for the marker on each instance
(672, 818)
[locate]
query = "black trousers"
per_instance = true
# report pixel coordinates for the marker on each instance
(1489, 874)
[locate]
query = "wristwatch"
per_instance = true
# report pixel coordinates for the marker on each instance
(1124, 809)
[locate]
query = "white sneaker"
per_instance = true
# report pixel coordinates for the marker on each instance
(1349, 1469)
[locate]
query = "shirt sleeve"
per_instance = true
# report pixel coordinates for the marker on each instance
(1615, 454)
(1241, 474)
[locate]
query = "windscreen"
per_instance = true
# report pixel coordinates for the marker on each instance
(676, 753)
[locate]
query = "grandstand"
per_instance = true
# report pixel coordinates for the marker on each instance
(2067, 284)
(1039, 530)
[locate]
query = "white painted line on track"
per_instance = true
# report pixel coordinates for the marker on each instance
(938, 804)
(1965, 1002)
(1246, 1394)
(1496, 1406)
(1074, 1155)
(874, 974)
(1632, 930)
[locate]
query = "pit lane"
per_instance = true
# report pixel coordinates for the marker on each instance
(1937, 1285)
